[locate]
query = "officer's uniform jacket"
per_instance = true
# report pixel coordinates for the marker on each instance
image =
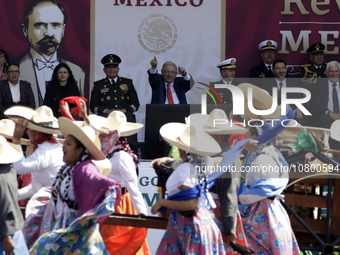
(310, 74)
(121, 95)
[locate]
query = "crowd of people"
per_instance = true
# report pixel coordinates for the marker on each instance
(68, 156)
(207, 213)
(82, 168)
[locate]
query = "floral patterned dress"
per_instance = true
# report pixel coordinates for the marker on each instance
(81, 236)
(189, 235)
(267, 228)
(266, 223)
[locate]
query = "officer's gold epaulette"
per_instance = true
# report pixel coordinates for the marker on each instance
(305, 65)
(126, 78)
(100, 80)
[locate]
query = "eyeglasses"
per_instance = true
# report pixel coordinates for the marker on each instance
(13, 72)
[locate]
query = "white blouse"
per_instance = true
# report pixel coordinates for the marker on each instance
(43, 164)
(181, 176)
(124, 170)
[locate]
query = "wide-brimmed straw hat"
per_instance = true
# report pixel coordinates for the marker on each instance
(7, 127)
(222, 126)
(9, 152)
(335, 130)
(115, 120)
(261, 101)
(86, 135)
(104, 166)
(41, 119)
(189, 138)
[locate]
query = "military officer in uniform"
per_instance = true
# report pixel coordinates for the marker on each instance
(115, 93)
(310, 77)
(227, 71)
(311, 72)
(264, 70)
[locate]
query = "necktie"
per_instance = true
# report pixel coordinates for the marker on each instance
(335, 99)
(169, 95)
(279, 94)
(269, 68)
(113, 82)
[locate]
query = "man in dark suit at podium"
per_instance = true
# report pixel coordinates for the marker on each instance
(167, 88)
(264, 70)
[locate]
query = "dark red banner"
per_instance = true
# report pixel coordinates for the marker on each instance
(293, 24)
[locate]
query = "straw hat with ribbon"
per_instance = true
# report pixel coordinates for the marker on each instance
(9, 152)
(216, 122)
(189, 138)
(41, 120)
(115, 120)
(87, 136)
(261, 101)
(7, 129)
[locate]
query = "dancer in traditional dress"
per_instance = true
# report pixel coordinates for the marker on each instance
(44, 155)
(191, 229)
(265, 221)
(122, 239)
(80, 197)
(11, 222)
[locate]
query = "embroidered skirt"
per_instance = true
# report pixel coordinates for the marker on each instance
(192, 235)
(267, 228)
(81, 235)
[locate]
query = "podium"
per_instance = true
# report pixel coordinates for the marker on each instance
(159, 114)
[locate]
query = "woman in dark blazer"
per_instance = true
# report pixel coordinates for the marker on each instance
(62, 85)
(14, 91)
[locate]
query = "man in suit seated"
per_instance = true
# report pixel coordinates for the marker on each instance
(326, 97)
(14, 91)
(167, 88)
(280, 81)
(228, 72)
(264, 70)
(326, 100)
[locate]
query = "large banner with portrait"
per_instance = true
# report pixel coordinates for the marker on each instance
(195, 34)
(39, 35)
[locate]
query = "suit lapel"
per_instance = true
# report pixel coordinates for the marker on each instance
(8, 93)
(22, 91)
(27, 67)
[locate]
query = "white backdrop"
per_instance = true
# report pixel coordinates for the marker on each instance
(189, 36)
(147, 186)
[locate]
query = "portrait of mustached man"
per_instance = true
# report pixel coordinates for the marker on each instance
(44, 24)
